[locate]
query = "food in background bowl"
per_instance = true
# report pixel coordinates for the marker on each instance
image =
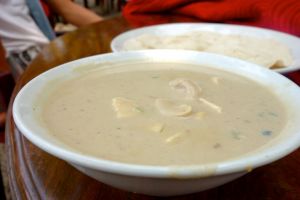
(271, 49)
(156, 116)
(265, 52)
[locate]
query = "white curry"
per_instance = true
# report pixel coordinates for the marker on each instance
(162, 114)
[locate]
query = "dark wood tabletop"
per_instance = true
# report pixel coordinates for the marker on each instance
(35, 174)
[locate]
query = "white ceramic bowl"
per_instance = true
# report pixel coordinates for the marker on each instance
(162, 180)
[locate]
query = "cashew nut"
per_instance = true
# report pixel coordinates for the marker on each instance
(170, 108)
(188, 88)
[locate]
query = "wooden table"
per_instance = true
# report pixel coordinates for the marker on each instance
(34, 174)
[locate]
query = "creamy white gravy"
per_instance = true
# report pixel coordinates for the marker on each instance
(161, 114)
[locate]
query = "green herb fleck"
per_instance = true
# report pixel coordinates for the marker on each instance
(247, 121)
(267, 113)
(237, 135)
(261, 114)
(266, 132)
(217, 146)
(273, 114)
(139, 109)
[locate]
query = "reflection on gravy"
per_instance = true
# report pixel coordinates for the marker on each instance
(162, 114)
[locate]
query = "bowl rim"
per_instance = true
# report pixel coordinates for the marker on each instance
(185, 171)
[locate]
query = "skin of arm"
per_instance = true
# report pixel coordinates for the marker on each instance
(73, 13)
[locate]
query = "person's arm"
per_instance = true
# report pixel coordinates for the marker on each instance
(73, 13)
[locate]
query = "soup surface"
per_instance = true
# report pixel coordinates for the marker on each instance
(162, 114)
